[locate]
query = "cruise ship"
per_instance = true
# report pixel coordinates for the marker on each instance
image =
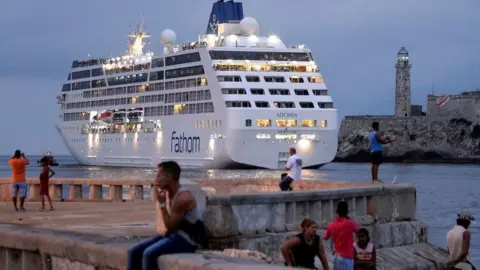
(230, 99)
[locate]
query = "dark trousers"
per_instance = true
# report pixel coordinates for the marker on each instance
(285, 184)
(144, 255)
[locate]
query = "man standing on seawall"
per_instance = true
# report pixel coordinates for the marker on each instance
(376, 154)
(294, 170)
(19, 185)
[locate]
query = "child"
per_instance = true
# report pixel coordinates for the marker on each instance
(44, 177)
(365, 253)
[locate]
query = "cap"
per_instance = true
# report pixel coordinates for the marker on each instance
(466, 215)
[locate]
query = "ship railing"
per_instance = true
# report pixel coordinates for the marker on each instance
(250, 68)
(189, 46)
(88, 63)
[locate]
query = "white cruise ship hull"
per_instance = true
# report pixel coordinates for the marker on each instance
(207, 147)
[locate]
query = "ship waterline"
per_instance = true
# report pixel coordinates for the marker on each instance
(230, 99)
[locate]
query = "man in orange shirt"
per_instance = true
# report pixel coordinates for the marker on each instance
(19, 185)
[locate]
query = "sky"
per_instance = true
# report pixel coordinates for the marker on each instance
(354, 43)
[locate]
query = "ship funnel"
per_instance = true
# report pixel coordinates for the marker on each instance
(223, 12)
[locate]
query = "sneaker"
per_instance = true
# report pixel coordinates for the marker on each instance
(16, 209)
(22, 209)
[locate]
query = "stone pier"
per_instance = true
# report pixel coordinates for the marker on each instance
(247, 214)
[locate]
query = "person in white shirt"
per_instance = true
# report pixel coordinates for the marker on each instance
(458, 243)
(294, 170)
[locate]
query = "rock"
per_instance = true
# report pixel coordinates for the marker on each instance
(248, 254)
(416, 138)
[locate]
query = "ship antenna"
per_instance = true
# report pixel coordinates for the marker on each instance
(135, 46)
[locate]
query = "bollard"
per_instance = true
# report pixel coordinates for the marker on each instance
(115, 193)
(136, 192)
(75, 192)
(152, 194)
(34, 192)
(55, 192)
(95, 192)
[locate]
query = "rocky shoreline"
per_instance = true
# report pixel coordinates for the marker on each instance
(363, 156)
(416, 140)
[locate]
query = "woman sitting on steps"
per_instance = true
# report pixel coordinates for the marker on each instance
(300, 250)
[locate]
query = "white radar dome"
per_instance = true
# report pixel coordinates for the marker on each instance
(168, 37)
(249, 26)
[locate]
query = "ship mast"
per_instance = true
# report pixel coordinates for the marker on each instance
(135, 44)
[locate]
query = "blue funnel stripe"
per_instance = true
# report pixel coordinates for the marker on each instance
(223, 12)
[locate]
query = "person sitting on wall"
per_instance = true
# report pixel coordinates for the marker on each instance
(184, 223)
(300, 250)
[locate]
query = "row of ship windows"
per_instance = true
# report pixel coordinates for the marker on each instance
(135, 78)
(261, 56)
(177, 109)
(278, 104)
(270, 79)
(76, 116)
(167, 98)
(308, 123)
(265, 67)
(158, 62)
(177, 73)
(179, 84)
(214, 55)
(283, 92)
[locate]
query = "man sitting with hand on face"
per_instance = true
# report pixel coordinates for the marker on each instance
(185, 228)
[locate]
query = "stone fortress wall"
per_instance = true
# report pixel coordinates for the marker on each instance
(464, 105)
(449, 130)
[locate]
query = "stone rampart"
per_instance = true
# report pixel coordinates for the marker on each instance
(262, 221)
(258, 221)
(416, 138)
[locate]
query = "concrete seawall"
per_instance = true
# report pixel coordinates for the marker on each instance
(93, 235)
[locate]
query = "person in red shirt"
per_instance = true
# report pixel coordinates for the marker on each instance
(341, 231)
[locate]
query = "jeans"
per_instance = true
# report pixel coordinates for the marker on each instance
(19, 187)
(340, 263)
(144, 255)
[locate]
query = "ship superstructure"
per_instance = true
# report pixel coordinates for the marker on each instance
(231, 98)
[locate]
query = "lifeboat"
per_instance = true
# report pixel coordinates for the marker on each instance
(120, 117)
(135, 116)
(106, 116)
